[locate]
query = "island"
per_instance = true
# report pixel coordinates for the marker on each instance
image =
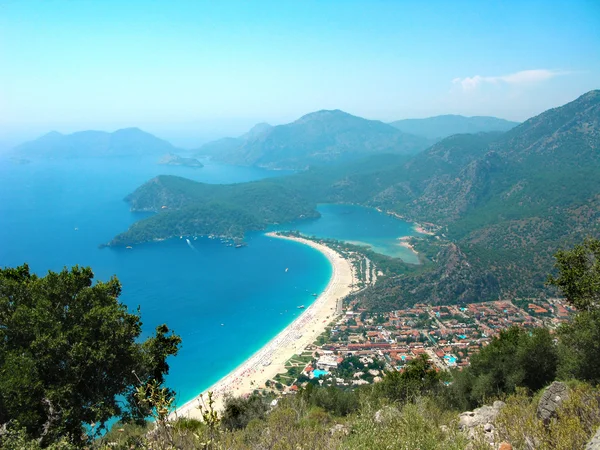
(171, 159)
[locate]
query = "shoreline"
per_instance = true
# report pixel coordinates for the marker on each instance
(404, 243)
(269, 360)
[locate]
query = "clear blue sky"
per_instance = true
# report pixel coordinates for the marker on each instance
(189, 70)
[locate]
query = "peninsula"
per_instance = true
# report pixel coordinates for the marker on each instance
(302, 332)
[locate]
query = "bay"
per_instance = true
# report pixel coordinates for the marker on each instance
(224, 302)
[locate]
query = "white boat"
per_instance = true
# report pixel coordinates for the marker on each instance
(286, 269)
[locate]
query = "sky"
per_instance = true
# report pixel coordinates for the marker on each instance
(190, 71)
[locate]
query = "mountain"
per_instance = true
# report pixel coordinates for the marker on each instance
(502, 204)
(321, 137)
(439, 127)
(124, 142)
(507, 202)
(228, 145)
(256, 131)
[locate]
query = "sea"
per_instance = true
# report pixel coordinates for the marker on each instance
(225, 303)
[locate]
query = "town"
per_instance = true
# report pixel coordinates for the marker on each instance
(360, 346)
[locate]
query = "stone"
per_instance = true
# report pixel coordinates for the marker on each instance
(480, 416)
(488, 427)
(551, 399)
(505, 446)
(594, 443)
(339, 428)
(386, 414)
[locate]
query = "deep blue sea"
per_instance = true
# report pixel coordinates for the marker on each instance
(225, 303)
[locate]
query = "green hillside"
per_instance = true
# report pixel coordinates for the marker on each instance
(503, 204)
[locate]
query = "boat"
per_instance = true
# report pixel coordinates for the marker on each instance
(129, 246)
(241, 245)
(314, 295)
(286, 269)
(301, 307)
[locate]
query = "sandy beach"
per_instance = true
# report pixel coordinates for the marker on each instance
(404, 243)
(270, 359)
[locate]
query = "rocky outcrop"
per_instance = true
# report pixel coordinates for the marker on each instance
(594, 443)
(551, 399)
(480, 416)
(480, 422)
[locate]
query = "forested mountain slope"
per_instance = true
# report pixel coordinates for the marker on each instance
(504, 203)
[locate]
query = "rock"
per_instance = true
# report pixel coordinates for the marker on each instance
(480, 416)
(551, 399)
(339, 428)
(386, 414)
(505, 446)
(488, 427)
(594, 443)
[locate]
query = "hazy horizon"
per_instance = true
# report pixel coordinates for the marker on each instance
(190, 72)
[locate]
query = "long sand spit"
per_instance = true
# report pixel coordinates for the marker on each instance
(270, 359)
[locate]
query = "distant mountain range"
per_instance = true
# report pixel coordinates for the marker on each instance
(503, 204)
(317, 138)
(439, 127)
(124, 142)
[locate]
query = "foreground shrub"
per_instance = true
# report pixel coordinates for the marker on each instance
(576, 422)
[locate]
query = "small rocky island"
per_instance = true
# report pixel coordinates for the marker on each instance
(172, 159)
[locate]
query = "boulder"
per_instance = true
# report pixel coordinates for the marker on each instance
(551, 399)
(594, 443)
(505, 446)
(480, 416)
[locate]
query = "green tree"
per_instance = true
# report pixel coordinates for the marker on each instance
(418, 377)
(579, 275)
(238, 411)
(578, 279)
(70, 354)
(516, 358)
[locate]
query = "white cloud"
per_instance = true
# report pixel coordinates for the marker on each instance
(522, 77)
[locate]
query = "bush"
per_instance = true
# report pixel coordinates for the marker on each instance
(238, 412)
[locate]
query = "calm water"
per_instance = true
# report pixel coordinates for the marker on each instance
(359, 225)
(193, 290)
(54, 214)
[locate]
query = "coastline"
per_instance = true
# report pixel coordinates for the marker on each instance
(404, 243)
(303, 331)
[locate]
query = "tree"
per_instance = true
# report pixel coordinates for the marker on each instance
(419, 376)
(70, 354)
(579, 275)
(238, 411)
(578, 279)
(516, 358)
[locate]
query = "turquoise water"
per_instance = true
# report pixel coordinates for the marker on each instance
(359, 225)
(319, 373)
(54, 214)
